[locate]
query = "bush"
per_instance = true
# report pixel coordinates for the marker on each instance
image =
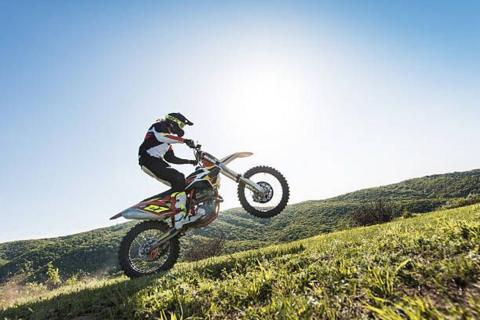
(422, 205)
(407, 214)
(374, 213)
(53, 276)
(205, 249)
(73, 280)
(462, 202)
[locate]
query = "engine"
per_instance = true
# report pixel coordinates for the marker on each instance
(206, 200)
(204, 193)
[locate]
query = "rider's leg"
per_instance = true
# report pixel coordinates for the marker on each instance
(151, 174)
(161, 171)
(177, 181)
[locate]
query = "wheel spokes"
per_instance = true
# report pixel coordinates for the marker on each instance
(141, 257)
(273, 192)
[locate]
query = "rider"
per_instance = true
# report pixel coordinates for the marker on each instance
(156, 150)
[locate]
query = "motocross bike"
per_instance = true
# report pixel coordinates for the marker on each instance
(153, 245)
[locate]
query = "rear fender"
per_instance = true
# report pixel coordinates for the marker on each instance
(136, 214)
(154, 209)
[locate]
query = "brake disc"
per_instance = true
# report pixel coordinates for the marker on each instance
(267, 194)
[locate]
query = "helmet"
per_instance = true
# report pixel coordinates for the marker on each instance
(177, 122)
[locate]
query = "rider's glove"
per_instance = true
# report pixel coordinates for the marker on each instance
(189, 143)
(193, 162)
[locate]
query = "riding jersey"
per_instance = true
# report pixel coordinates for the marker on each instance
(157, 144)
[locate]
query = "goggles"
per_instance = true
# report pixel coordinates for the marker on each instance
(180, 123)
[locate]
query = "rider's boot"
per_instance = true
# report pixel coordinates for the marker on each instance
(182, 218)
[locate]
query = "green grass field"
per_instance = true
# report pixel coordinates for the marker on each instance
(95, 252)
(425, 267)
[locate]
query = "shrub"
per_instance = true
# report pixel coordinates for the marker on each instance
(374, 213)
(462, 202)
(406, 213)
(422, 205)
(73, 280)
(53, 276)
(205, 249)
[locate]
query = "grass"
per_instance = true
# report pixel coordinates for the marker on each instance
(425, 267)
(95, 251)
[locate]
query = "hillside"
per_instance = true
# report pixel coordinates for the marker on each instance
(449, 185)
(426, 267)
(95, 251)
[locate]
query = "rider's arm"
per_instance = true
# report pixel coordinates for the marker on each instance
(170, 157)
(166, 138)
(161, 133)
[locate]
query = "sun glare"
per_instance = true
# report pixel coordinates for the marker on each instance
(263, 96)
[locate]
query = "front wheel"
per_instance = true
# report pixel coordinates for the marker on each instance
(136, 256)
(273, 200)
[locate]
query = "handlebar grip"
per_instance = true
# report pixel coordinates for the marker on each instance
(189, 143)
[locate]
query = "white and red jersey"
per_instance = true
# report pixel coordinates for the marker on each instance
(157, 142)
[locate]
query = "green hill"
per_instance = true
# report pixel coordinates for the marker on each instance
(426, 267)
(95, 251)
(450, 185)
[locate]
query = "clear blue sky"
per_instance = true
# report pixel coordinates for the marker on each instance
(339, 95)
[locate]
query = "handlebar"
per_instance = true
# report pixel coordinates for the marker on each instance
(197, 150)
(190, 143)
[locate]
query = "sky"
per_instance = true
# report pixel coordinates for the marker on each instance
(338, 95)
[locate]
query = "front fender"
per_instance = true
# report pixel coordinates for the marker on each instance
(234, 156)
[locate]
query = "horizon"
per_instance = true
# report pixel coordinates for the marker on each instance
(338, 96)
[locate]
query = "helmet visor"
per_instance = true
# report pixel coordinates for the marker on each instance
(178, 122)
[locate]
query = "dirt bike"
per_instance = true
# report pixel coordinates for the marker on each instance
(153, 245)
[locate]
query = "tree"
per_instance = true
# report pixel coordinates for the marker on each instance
(53, 276)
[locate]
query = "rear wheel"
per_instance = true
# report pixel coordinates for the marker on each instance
(136, 256)
(274, 198)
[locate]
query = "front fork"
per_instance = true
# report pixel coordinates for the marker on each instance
(166, 237)
(237, 177)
